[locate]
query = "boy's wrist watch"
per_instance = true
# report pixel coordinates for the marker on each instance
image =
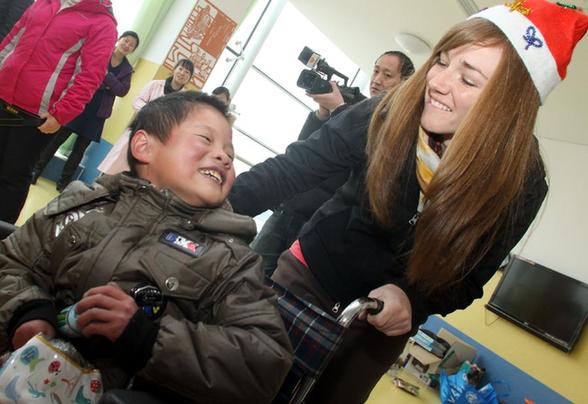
(149, 299)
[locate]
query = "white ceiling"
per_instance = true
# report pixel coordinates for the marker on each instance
(365, 29)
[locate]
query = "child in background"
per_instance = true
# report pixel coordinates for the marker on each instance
(89, 124)
(166, 289)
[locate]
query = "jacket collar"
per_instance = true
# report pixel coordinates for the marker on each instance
(217, 220)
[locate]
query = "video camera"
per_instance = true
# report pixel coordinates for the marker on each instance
(316, 80)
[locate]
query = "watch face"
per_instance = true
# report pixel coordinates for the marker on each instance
(150, 299)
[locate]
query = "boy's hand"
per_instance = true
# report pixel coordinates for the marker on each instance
(28, 330)
(105, 310)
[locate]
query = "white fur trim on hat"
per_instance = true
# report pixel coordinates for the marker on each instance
(529, 43)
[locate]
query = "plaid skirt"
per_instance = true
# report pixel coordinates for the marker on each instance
(346, 363)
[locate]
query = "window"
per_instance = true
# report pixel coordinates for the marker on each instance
(125, 12)
(278, 58)
(239, 40)
(267, 112)
(270, 108)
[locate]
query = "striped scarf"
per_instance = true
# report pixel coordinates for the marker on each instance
(429, 153)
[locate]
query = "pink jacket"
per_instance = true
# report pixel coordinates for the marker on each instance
(154, 89)
(116, 159)
(55, 57)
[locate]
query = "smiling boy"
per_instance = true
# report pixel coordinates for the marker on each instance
(213, 333)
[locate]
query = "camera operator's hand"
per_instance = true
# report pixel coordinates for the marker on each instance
(328, 101)
(322, 113)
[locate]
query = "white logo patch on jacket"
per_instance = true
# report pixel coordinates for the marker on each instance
(71, 217)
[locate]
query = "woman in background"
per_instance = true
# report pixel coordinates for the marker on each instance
(223, 94)
(51, 64)
(116, 159)
(90, 123)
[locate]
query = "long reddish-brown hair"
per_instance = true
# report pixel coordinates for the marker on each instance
(473, 192)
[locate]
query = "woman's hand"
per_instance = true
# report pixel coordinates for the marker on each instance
(105, 310)
(50, 126)
(28, 330)
(396, 316)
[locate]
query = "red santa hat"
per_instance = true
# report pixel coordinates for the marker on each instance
(544, 35)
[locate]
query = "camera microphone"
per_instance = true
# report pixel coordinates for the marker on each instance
(316, 80)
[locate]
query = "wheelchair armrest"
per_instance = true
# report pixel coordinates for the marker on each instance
(6, 229)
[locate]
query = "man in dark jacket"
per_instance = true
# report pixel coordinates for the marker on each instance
(283, 226)
(10, 13)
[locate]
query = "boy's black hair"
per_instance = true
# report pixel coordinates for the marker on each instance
(406, 65)
(132, 34)
(160, 116)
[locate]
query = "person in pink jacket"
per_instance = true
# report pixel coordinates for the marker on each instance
(51, 63)
(116, 159)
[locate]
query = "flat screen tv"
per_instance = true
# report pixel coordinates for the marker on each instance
(549, 304)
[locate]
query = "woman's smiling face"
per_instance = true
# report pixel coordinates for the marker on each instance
(454, 84)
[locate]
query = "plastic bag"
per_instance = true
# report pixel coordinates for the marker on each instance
(452, 386)
(43, 371)
(485, 395)
(457, 389)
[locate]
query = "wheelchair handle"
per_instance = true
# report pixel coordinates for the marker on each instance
(370, 305)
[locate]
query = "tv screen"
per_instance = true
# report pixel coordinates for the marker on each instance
(551, 305)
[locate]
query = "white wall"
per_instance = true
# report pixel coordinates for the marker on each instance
(176, 17)
(125, 12)
(559, 238)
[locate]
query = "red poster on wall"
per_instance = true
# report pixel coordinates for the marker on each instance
(202, 40)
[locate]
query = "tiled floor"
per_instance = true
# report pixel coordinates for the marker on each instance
(384, 393)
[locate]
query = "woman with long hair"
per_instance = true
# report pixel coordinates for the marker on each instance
(116, 159)
(446, 177)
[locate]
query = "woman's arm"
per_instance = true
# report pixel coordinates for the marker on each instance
(151, 91)
(337, 147)
(119, 86)
(94, 55)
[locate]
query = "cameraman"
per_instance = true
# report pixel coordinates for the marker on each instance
(283, 226)
(390, 68)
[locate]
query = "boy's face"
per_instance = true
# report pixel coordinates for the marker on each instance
(196, 161)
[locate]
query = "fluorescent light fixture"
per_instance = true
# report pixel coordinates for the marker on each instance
(411, 43)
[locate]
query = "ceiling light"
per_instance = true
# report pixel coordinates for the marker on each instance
(411, 43)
